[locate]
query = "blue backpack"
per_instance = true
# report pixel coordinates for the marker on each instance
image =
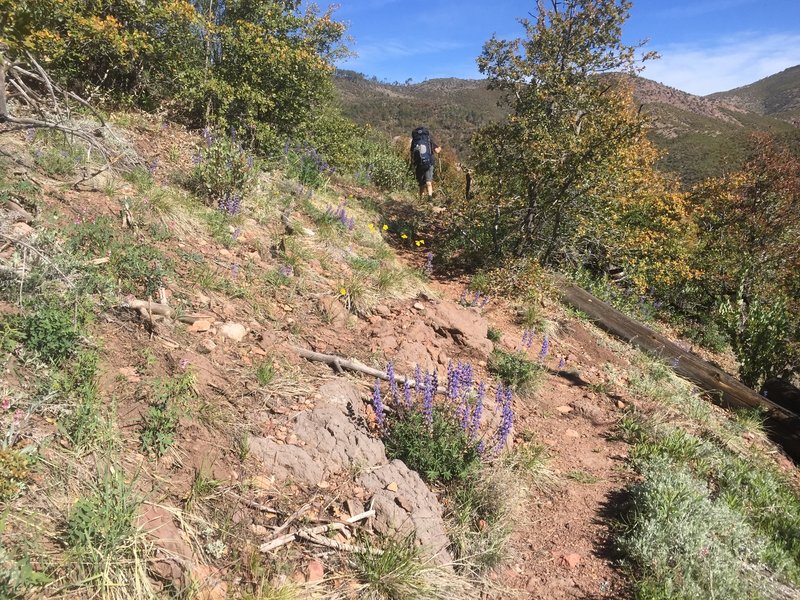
(421, 150)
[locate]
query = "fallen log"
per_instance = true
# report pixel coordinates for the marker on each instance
(154, 308)
(783, 426)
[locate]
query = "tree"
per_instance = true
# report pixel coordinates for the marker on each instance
(569, 151)
(749, 256)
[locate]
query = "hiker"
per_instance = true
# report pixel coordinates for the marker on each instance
(423, 151)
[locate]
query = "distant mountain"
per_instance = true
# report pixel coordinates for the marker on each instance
(452, 108)
(777, 96)
(704, 135)
(700, 136)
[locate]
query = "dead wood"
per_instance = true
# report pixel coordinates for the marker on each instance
(309, 532)
(163, 310)
(36, 251)
(338, 363)
(783, 426)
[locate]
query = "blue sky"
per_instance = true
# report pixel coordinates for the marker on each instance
(706, 45)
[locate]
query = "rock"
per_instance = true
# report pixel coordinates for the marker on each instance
(233, 331)
(565, 409)
(466, 327)
(202, 300)
(21, 230)
(382, 310)
(392, 487)
(333, 310)
(200, 326)
(208, 584)
(419, 306)
(354, 507)
(206, 346)
(571, 433)
(571, 560)
(175, 557)
(330, 443)
(259, 530)
(620, 404)
(315, 571)
(424, 516)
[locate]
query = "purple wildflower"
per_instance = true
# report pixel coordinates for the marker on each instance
(236, 233)
(499, 395)
(6, 404)
(435, 381)
(153, 167)
(477, 412)
(475, 299)
(464, 413)
(427, 400)
(407, 393)
(465, 379)
(545, 347)
(463, 299)
(30, 134)
(527, 339)
(428, 268)
(481, 448)
(377, 402)
(453, 376)
(506, 423)
(417, 379)
(184, 364)
(235, 269)
(561, 363)
(286, 270)
(392, 382)
(484, 302)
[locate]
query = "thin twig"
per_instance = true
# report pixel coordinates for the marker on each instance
(328, 527)
(323, 541)
(42, 256)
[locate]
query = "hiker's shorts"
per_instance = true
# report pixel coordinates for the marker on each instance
(425, 175)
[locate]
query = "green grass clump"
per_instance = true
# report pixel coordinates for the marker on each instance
(105, 546)
(494, 335)
(516, 370)
(265, 372)
(160, 422)
(440, 453)
(51, 332)
(140, 268)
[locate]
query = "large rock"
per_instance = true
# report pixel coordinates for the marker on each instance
(403, 504)
(466, 326)
(328, 438)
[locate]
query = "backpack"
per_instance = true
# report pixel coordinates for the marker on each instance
(421, 150)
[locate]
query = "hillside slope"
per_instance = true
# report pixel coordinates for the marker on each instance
(777, 96)
(700, 136)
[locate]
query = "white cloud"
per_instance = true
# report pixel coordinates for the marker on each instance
(724, 64)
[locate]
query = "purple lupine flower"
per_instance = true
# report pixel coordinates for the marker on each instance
(484, 302)
(417, 379)
(463, 299)
(453, 376)
(209, 139)
(427, 400)
(377, 402)
(464, 413)
(184, 364)
(235, 269)
(475, 299)
(481, 448)
(286, 270)
(527, 339)
(407, 401)
(30, 134)
(236, 233)
(465, 379)
(477, 412)
(506, 423)
(428, 268)
(561, 363)
(153, 167)
(434, 381)
(392, 382)
(499, 396)
(545, 347)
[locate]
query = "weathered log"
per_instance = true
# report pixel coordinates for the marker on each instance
(783, 426)
(163, 310)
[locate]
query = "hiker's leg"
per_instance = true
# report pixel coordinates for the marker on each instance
(429, 188)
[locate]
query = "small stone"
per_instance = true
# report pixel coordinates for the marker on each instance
(206, 346)
(564, 409)
(260, 482)
(571, 433)
(259, 530)
(202, 299)
(315, 570)
(21, 230)
(383, 310)
(620, 404)
(200, 326)
(571, 560)
(419, 306)
(233, 331)
(392, 487)
(238, 517)
(323, 485)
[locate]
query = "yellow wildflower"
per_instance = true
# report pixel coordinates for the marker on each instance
(420, 243)
(371, 226)
(404, 236)
(342, 292)
(385, 227)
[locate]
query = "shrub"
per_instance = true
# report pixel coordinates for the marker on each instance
(160, 422)
(58, 161)
(304, 163)
(441, 452)
(93, 236)
(14, 473)
(51, 333)
(516, 370)
(141, 268)
(225, 173)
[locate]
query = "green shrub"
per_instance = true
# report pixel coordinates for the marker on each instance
(140, 268)
(17, 576)
(265, 372)
(58, 160)
(441, 453)
(158, 428)
(93, 236)
(14, 473)
(516, 370)
(225, 173)
(494, 335)
(51, 333)
(386, 169)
